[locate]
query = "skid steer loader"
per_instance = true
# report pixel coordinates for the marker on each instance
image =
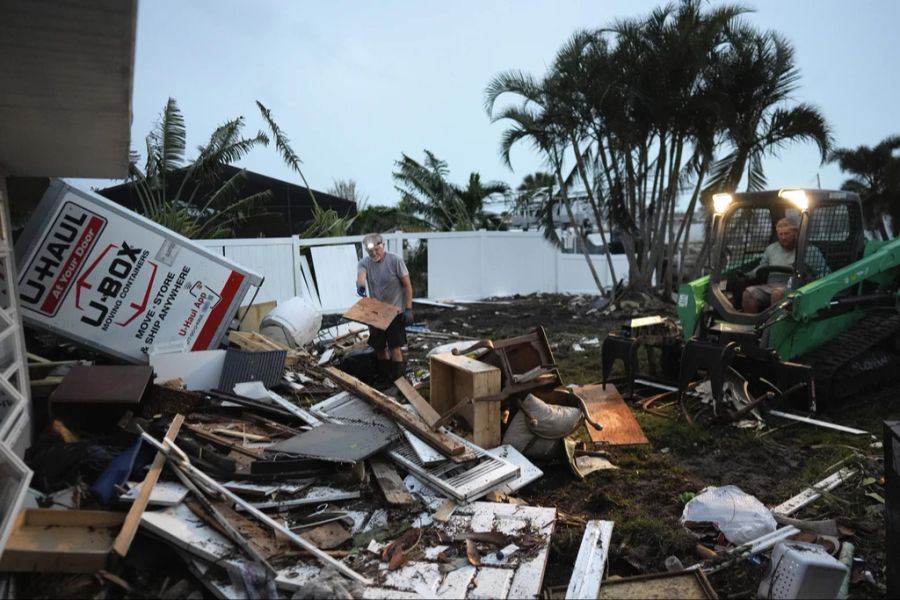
(832, 337)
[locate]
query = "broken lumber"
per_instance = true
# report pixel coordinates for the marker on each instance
(425, 410)
(401, 415)
(254, 341)
(179, 461)
(133, 520)
(390, 483)
(590, 564)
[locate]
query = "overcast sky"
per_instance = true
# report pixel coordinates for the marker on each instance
(356, 83)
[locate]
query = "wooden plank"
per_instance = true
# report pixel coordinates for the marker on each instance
(813, 493)
(428, 414)
(404, 417)
(259, 543)
(133, 520)
(390, 483)
(609, 409)
(373, 312)
(255, 341)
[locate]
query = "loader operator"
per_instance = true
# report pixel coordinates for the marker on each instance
(388, 281)
(781, 253)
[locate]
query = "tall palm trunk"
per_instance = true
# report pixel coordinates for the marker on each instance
(579, 161)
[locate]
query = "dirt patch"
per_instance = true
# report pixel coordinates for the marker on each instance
(645, 496)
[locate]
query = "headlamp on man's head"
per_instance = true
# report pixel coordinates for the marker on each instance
(371, 241)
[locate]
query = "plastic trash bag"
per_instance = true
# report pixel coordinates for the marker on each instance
(738, 515)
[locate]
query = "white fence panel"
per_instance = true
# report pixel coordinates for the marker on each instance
(455, 267)
(273, 258)
(335, 271)
(574, 276)
(466, 265)
(517, 263)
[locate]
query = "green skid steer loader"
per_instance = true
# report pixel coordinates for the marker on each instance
(832, 337)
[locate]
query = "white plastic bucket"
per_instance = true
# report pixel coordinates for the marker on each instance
(295, 322)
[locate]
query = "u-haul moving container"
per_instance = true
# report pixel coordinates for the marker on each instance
(100, 274)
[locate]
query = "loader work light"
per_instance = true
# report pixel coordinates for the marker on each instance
(797, 197)
(721, 202)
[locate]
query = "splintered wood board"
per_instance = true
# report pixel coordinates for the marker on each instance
(373, 312)
(390, 483)
(607, 407)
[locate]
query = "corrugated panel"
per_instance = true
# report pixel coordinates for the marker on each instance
(242, 365)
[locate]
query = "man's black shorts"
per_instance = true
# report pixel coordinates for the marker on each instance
(394, 336)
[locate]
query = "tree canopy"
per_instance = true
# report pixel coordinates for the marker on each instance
(444, 206)
(194, 197)
(875, 176)
(651, 111)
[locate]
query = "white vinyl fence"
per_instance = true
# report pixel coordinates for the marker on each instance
(467, 265)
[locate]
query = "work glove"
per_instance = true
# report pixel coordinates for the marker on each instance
(408, 316)
(361, 291)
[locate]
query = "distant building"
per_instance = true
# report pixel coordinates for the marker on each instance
(288, 212)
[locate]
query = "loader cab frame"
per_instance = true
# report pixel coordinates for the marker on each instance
(830, 221)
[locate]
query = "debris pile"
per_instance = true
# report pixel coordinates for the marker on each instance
(276, 469)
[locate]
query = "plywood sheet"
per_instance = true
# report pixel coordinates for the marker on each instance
(337, 442)
(620, 428)
(103, 384)
(373, 312)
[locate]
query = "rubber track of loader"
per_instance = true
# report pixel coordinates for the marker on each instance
(831, 361)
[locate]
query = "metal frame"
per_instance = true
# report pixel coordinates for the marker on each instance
(463, 482)
(15, 387)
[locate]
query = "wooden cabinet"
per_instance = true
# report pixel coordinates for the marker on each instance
(456, 378)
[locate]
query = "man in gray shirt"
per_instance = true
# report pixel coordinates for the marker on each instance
(780, 254)
(388, 280)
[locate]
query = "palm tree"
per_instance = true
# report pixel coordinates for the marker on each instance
(427, 194)
(474, 198)
(875, 176)
(388, 218)
(201, 206)
(191, 198)
(643, 106)
(537, 121)
(753, 80)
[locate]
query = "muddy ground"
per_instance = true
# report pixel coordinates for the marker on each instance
(646, 495)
